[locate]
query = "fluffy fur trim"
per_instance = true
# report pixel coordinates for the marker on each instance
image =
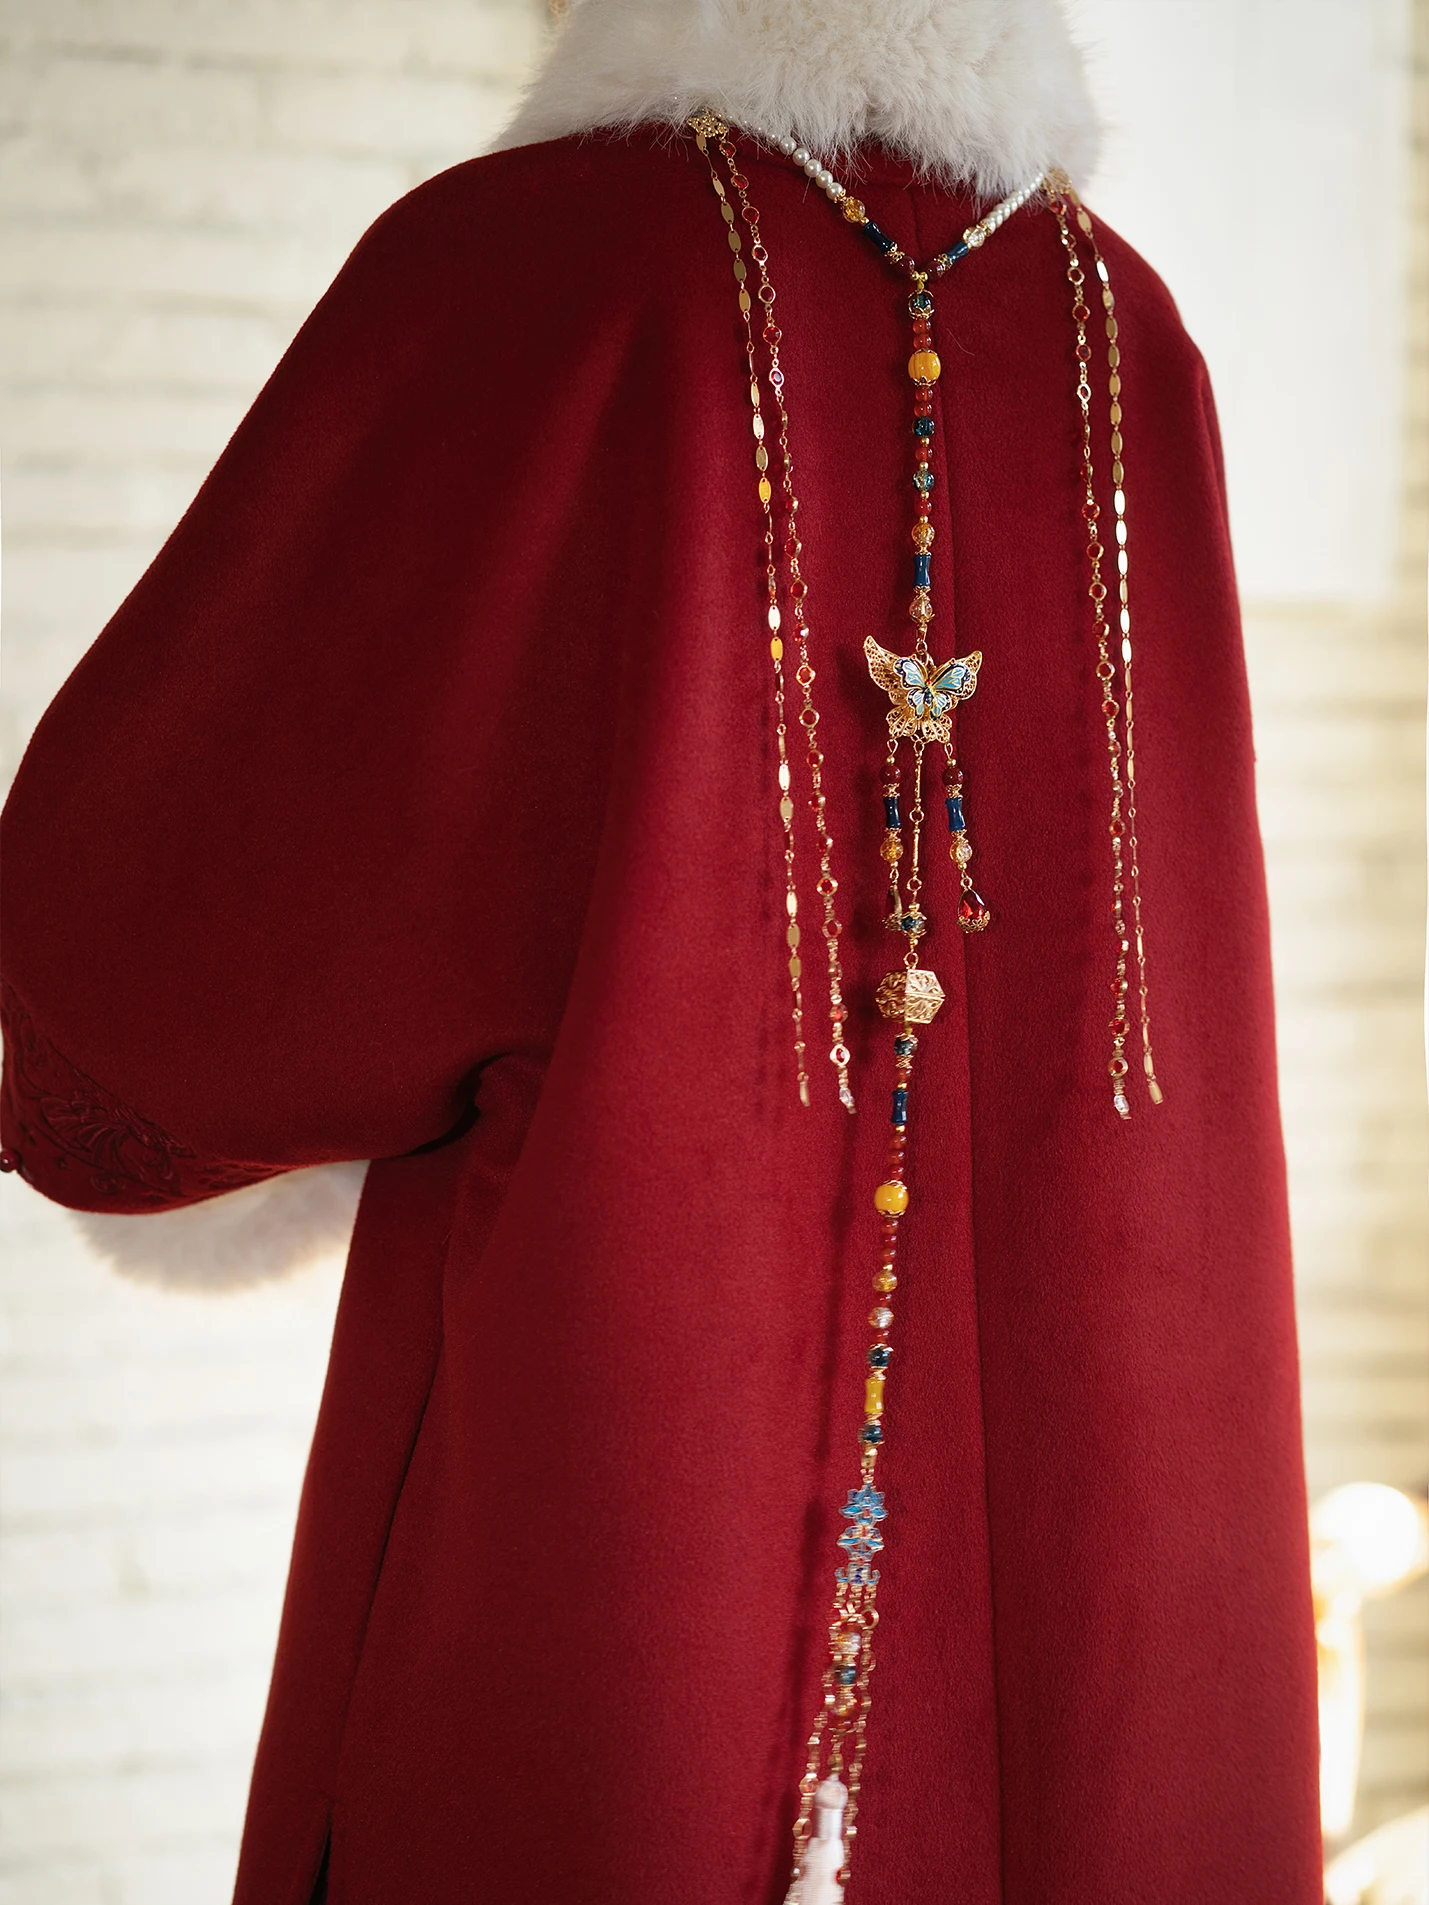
(239, 1239)
(987, 91)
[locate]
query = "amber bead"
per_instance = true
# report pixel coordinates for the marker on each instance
(886, 1282)
(925, 367)
(891, 1198)
(873, 1394)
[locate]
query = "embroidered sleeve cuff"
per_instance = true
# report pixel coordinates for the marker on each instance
(78, 1144)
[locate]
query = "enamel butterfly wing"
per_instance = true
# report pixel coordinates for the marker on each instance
(924, 693)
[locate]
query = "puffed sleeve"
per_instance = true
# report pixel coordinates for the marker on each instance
(264, 896)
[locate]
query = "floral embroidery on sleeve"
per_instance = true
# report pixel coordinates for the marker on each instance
(65, 1112)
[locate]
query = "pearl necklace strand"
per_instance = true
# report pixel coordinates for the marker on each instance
(819, 174)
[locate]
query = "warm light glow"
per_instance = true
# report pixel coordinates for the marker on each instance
(1368, 1538)
(1390, 1867)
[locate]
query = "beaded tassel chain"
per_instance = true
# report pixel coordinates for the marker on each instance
(923, 692)
(1123, 788)
(923, 695)
(1119, 718)
(706, 126)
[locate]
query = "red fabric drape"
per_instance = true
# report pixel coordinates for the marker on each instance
(419, 805)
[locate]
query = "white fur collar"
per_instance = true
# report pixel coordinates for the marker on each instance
(990, 91)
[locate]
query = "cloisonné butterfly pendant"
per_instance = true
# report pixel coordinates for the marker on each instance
(923, 697)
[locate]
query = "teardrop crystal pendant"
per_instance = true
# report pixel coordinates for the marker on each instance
(973, 915)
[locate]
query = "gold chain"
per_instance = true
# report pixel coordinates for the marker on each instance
(1122, 824)
(827, 885)
(1118, 477)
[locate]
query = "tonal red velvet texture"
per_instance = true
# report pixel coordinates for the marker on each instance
(419, 805)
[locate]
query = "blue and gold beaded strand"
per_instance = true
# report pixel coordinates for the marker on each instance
(922, 696)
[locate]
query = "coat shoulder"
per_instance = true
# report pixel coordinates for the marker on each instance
(535, 214)
(1147, 309)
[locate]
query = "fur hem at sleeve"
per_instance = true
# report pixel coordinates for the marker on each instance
(233, 1241)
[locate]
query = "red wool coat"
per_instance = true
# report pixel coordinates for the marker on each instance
(417, 806)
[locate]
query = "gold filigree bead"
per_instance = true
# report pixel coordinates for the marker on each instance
(922, 535)
(914, 997)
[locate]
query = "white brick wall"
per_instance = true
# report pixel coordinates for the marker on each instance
(153, 1447)
(1313, 309)
(1342, 806)
(179, 179)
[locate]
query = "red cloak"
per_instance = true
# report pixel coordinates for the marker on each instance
(417, 806)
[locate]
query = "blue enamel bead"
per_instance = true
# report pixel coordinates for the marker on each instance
(904, 1044)
(880, 1356)
(846, 1676)
(891, 815)
(880, 238)
(923, 426)
(871, 1432)
(956, 823)
(923, 480)
(920, 304)
(900, 1104)
(922, 568)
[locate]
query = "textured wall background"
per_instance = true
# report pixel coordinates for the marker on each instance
(179, 179)
(1270, 158)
